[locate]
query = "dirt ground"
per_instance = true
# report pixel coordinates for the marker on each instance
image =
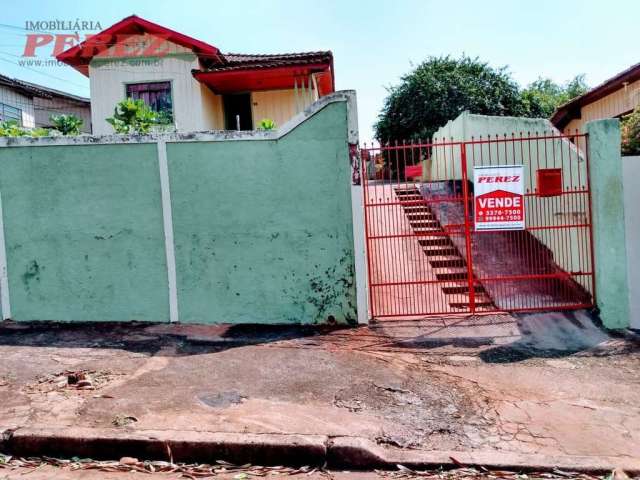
(552, 384)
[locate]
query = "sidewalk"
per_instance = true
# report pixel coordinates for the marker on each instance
(537, 390)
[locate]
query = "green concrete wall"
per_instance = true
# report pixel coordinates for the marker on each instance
(263, 230)
(608, 222)
(83, 232)
(262, 227)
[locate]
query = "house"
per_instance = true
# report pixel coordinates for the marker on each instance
(194, 84)
(614, 98)
(32, 105)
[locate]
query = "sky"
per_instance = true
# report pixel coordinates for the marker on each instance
(374, 42)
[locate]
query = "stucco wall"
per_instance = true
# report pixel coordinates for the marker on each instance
(631, 186)
(610, 250)
(255, 240)
(83, 232)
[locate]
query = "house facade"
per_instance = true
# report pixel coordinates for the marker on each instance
(32, 105)
(193, 84)
(615, 98)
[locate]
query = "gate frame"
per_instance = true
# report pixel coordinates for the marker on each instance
(469, 227)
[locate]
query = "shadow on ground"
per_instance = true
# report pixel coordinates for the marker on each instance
(500, 338)
(149, 338)
(506, 338)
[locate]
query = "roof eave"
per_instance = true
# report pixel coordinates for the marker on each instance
(609, 86)
(75, 59)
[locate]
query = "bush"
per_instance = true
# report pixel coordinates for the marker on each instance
(630, 129)
(267, 124)
(133, 116)
(10, 128)
(66, 124)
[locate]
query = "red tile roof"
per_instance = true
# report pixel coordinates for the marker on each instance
(241, 61)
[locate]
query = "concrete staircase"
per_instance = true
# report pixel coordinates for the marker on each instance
(447, 262)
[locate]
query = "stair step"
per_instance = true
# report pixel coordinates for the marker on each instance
(441, 252)
(426, 215)
(482, 304)
(407, 192)
(447, 262)
(435, 241)
(424, 224)
(452, 275)
(417, 208)
(456, 289)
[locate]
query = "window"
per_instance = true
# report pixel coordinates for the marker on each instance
(7, 112)
(157, 95)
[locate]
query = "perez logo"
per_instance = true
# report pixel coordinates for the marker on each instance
(497, 179)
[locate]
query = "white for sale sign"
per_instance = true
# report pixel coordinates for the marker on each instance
(499, 197)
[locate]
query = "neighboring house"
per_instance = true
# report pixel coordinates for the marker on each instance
(196, 86)
(31, 105)
(614, 98)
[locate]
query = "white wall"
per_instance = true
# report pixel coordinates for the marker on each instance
(631, 185)
(109, 78)
(14, 99)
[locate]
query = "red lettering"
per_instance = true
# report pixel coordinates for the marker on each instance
(35, 40)
(155, 47)
(64, 41)
(95, 44)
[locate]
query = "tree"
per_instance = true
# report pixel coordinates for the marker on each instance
(630, 129)
(543, 96)
(439, 90)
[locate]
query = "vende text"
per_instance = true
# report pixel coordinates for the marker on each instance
(514, 202)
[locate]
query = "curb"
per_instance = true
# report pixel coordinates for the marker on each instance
(280, 449)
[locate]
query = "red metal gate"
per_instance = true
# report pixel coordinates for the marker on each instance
(426, 256)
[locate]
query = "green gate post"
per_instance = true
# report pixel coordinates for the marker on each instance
(605, 179)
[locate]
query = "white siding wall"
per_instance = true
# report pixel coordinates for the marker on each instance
(631, 185)
(212, 109)
(108, 82)
(279, 105)
(611, 106)
(10, 97)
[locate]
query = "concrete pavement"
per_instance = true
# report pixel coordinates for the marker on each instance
(510, 390)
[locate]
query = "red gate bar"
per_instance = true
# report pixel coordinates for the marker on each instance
(424, 254)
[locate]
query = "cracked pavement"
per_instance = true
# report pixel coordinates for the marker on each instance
(552, 384)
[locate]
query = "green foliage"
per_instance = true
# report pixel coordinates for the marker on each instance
(267, 124)
(10, 128)
(439, 90)
(630, 129)
(543, 96)
(133, 116)
(39, 132)
(66, 124)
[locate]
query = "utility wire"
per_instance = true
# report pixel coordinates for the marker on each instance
(41, 73)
